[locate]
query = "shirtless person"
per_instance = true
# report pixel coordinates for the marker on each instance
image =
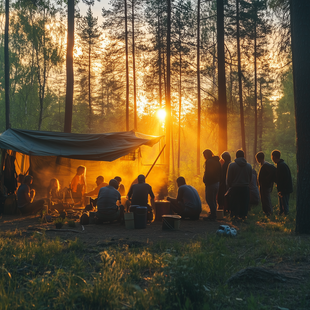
(78, 183)
(100, 183)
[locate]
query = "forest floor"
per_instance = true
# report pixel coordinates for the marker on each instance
(266, 266)
(92, 234)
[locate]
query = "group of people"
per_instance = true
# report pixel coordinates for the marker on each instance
(228, 184)
(55, 196)
(227, 187)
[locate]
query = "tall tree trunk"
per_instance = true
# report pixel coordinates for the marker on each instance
(159, 60)
(89, 88)
(300, 12)
(261, 110)
(240, 81)
(168, 95)
(198, 89)
(180, 107)
(69, 68)
(41, 80)
(134, 66)
(222, 101)
(255, 97)
(7, 65)
(127, 70)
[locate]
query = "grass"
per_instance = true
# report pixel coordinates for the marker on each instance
(39, 273)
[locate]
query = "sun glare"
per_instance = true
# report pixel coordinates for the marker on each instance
(161, 114)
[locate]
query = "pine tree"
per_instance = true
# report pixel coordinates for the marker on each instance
(255, 30)
(7, 65)
(300, 11)
(89, 33)
(69, 68)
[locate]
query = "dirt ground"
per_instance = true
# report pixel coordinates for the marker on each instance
(93, 234)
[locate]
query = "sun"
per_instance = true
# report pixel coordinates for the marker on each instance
(161, 114)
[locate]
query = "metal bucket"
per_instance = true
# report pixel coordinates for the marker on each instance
(129, 220)
(219, 214)
(171, 222)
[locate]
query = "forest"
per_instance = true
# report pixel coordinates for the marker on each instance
(106, 98)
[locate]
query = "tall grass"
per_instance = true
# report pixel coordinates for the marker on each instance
(39, 273)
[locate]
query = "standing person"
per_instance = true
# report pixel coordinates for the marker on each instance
(25, 197)
(239, 176)
(211, 178)
(78, 183)
(121, 187)
(283, 180)
(221, 198)
(254, 192)
(266, 177)
(107, 207)
(187, 203)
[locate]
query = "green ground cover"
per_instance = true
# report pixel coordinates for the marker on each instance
(39, 273)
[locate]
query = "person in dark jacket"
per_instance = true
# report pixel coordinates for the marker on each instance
(254, 192)
(239, 176)
(266, 177)
(211, 178)
(283, 180)
(187, 203)
(109, 203)
(221, 198)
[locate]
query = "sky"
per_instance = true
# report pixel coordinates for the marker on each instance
(97, 8)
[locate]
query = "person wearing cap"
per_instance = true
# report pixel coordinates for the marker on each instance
(107, 203)
(187, 203)
(139, 193)
(121, 187)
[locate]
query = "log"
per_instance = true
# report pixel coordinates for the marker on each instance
(257, 274)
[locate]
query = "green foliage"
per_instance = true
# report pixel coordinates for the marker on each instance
(71, 223)
(38, 272)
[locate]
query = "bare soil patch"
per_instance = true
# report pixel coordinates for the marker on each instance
(93, 234)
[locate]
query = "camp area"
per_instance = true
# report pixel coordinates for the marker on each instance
(154, 155)
(115, 265)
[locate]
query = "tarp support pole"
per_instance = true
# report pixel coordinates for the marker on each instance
(155, 161)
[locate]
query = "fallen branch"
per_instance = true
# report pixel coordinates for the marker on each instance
(257, 274)
(54, 229)
(65, 230)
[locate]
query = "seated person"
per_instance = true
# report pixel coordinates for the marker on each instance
(3, 196)
(138, 194)
(54, 195)
(25, 198)
(100, 183)
(187, 203)
(107, 203)
(78, 183)
(53, 192)
(121, 187)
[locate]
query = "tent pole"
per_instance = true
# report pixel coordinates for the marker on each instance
(155, 161)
